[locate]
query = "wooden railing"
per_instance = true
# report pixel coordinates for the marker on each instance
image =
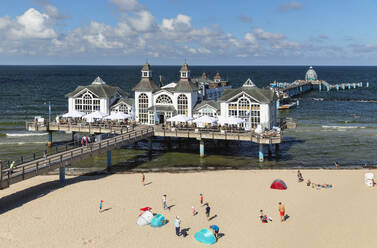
(24, 170)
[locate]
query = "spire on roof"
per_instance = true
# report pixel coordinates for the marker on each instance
(98, 80)
(248, 83)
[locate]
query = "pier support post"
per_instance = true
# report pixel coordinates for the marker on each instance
(49, 142)
(150, 145)
(62, 174)
(277, 150)
(73, 136)
(169, 143)
(109, 160)
(201, 148)
(269, 151)
(261, 155)
(1, 174)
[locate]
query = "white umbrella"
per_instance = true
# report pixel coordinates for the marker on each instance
(74, 114)
(205, 119)
(94, 116)
(232, 120)
(117, 116)
(179, 118)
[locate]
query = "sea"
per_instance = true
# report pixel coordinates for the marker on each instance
(331, 126)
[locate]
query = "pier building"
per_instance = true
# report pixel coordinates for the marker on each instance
(167, 101)
(98, 96)
(254, 105)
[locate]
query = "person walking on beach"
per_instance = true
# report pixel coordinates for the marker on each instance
(201, 199)
(177, 224)
(194, 212)
(100, 206)
(143, 178)
(282, 212)
(208, 211)
(45, 155)
(165, 205)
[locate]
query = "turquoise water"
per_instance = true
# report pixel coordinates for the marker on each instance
(332, 126)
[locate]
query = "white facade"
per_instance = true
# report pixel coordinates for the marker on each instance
(165, 102)
(97, 96)
(255, 112)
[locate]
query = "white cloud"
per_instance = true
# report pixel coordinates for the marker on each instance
(261, 34)
(32, 24)
(139, 34)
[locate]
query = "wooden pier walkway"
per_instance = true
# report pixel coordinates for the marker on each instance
(124, 135)
(41, 166)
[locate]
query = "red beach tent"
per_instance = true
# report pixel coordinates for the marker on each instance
(278, 184)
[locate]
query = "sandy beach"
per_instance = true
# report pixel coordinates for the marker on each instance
(40, 213)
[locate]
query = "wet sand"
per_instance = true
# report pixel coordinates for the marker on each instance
(40, 213)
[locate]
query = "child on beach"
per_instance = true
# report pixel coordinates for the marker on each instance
(281, 211)
(201, 198)
(100, 206)
(208, 210)
(299, 176)
(142, 179)
(194, 212)
(164, 204)
(264, 218)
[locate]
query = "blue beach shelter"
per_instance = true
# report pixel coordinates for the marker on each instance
(158, 221)
(205, 236)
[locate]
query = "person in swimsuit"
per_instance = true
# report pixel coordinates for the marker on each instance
(142, 178)
(201, 198)
(282, 212)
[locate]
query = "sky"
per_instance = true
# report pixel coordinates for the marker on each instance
(202, 32)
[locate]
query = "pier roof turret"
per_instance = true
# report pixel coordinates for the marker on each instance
(99, 88)
(311, 75)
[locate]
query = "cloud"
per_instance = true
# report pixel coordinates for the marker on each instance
(293, 5)
(138, 34)
(245, 19)
(261, 34)
(32, 24)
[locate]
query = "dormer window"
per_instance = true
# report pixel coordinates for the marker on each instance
(184, 74)
(145, 74)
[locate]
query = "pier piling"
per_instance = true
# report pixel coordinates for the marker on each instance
(62, 174)
(261, 155)
(277, 150)
(109, 160)
(49, 142)
(201, 148)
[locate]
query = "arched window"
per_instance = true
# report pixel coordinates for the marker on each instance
(243, 107)
(164, 99)
(182, 105)
(143, 108)
(87, 103)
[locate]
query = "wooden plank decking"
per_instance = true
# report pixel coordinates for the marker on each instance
(41, 166)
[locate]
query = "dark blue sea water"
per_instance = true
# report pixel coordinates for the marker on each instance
(331, 125)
